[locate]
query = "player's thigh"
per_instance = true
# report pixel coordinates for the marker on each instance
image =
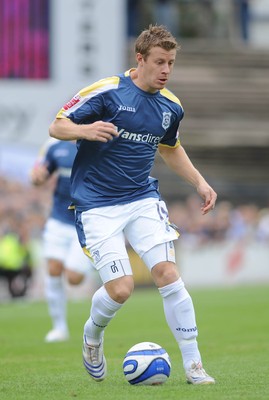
(56, 240)
(150, 227)
(101, 233)
(76, 260)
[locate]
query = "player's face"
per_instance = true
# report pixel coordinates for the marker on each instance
(154, 72)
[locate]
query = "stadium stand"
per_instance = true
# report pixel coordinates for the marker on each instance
(225, 93)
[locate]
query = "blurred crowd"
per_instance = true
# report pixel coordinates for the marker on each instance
(24, 209)
(245, 222)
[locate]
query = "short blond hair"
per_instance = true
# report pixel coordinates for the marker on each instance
(155, 36)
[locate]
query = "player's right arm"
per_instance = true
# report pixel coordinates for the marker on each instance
(65, 129)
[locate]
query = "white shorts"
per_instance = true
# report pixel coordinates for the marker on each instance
(60, 242)
(104, 231)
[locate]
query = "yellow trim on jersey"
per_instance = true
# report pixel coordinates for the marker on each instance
(169, 95)
(173, 147)
(113, 80)
(60, 114)
(95, 87)
(128, 72)
(88, 254)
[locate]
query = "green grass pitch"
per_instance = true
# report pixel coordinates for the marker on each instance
(233, 339)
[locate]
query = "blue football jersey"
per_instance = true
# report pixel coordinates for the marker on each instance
(118, 171)
(58, 156)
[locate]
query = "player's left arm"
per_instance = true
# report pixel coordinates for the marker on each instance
(178, 161)
(44, 166)
(39, 174)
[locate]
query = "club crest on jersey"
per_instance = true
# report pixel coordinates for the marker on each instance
(166, 120)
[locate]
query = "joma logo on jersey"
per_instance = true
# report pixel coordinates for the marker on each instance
(166, 120)
(126, 108)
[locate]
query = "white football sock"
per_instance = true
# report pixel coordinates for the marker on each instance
(103, 310)
(180, 316)
(56, 299)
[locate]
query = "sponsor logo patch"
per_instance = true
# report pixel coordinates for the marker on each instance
(126, 108)
(139, 137)
(72, 102)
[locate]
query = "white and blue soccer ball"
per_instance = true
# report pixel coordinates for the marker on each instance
(146, 363)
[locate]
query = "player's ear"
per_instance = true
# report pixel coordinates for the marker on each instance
(139, 58)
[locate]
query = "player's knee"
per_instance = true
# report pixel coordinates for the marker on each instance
(160, 260)
(120, 289)
(164, 273)
(55, 267)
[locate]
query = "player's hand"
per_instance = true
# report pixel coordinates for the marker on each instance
(39, 174)
(100, 131)
(209, 196)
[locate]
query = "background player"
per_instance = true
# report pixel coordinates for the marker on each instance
(120, 122)
(61, 246)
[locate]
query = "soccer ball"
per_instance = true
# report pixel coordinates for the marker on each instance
(146, 363)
